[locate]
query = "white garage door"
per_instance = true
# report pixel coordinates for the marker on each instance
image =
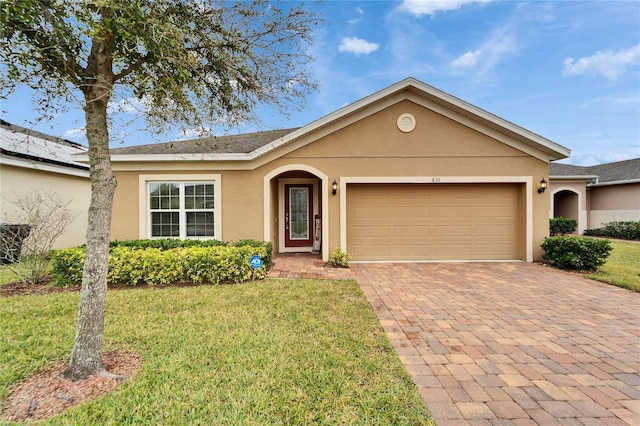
(435, 222)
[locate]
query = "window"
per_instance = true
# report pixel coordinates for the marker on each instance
(182, 209)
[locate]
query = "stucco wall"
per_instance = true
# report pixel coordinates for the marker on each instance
(614, 203)
(19, 180)
(373, 146)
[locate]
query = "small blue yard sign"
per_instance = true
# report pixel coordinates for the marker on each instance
(255, 261)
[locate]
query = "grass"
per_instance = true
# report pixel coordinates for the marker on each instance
(276, 352)
(6, 275)
(623, 266)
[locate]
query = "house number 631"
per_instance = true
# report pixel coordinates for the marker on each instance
(435, 180)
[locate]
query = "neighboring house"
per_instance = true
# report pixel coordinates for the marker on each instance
(30, 161)
(595, 195)
(407, 173)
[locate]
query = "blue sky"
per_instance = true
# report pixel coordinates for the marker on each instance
(567, 70)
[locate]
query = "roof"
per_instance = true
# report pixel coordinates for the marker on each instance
(228, 144)
(627, 171)
(256, 145)
(23, 147)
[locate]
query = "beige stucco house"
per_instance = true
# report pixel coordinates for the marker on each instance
(33, 161)
(407, 173)
(596, 195)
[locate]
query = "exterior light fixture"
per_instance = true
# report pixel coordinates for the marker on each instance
(542, 187)
(334, 187)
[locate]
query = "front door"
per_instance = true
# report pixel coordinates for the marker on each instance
(298, 212)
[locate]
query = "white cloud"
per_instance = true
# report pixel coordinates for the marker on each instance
(360, 13)
(357, 46)
(128, 106)
(74, 134)
(500, 45)
(431, 7)
(607, 64)
(601, 157)
(469, 59)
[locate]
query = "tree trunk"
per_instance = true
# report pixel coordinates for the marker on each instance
(86, 356)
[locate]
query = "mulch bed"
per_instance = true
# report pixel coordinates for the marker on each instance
(47, 393)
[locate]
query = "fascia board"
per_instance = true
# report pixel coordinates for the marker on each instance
(614, 182)
(44, 167)
(572, 177)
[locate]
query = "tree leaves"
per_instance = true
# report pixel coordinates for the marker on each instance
(199, 62)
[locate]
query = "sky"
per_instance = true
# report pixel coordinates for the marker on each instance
(566, 70)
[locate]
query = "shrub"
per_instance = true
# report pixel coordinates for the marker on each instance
(172, 243)
(577, 253)
(622, 230)
(257, 244)
(562, 225)
(165, 243)
(67, 265)
(339, 258)
(130, 265)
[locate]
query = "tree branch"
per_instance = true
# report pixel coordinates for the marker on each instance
(131, 68)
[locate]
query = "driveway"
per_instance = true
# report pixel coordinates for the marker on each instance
(511, 343)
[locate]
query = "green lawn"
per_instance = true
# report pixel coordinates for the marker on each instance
(7, 276)
(622, 267)
(274, 352)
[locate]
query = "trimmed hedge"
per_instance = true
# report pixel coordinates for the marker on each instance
(130, 264)
(562, 225)
(167, 243)
(576, 253)
(171, 243)
(621, 230)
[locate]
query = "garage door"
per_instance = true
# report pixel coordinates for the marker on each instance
(435, 222)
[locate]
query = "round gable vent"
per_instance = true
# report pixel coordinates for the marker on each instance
(406, 122)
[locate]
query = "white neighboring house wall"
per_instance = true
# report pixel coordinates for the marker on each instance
(32, 161)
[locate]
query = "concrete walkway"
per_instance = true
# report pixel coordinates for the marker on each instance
(511, 343)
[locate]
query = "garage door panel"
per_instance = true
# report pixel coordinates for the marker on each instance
(494, 211)
(496, 251)
(410, 211)
(493, 231)
(371, 231)
(371, 251)
(451, 212)
(443, 221)
(408, 231)
(451, 250)
(452, 230)
(372, 212)
(406, 251)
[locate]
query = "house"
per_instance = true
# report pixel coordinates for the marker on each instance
(407, 173)
(30, 161)
(596, 195)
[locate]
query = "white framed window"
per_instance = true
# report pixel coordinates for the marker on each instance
(173, 207)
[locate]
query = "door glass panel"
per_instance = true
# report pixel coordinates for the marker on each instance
(299, 213)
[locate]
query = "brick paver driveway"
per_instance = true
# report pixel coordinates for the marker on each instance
(511, 343)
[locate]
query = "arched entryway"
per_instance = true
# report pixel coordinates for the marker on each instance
(296, 209)
(566, 203)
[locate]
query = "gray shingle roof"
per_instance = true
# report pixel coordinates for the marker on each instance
(620, 170)
(609, 172)
(229, 144)
(567, 170)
